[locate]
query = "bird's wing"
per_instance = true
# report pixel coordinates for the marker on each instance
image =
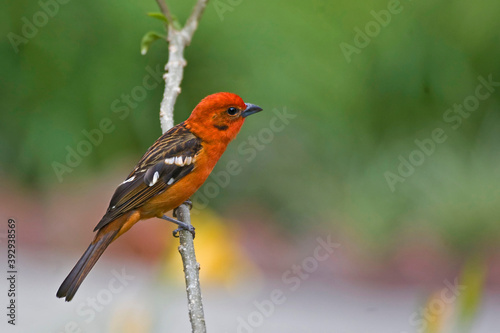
(168, 160)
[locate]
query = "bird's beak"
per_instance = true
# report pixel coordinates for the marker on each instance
(251, 109)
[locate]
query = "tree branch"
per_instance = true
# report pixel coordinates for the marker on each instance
(194, 18)
(191, 273)
(165, 11)
(178, 40)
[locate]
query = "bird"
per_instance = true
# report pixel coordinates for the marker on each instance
(168, 174)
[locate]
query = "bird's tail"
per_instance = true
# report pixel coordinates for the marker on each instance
(75, 278)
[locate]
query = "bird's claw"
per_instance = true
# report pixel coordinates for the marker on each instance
(182, 226)
(187, 227)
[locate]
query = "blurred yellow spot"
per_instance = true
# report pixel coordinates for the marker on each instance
(129, 318)
(452, 309)
(221, 257)
(437, 313)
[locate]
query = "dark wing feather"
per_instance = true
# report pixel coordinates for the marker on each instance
(141, 184)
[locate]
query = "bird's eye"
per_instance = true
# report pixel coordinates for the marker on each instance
(232, 111)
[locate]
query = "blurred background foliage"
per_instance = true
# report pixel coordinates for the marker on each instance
(325, 170)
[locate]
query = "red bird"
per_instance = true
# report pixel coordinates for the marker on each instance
(172, 169)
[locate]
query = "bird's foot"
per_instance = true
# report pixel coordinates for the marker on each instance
(187, 227)
(182, 226)
(188, 203)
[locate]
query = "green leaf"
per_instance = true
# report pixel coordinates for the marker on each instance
(149, 38)
(158, 16)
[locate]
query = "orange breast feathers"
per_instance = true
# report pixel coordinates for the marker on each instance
(182, 190)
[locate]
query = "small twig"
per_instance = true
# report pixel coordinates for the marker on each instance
(165, 11)
(194, 18)
(178, 40)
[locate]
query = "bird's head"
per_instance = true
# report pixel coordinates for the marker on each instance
(219, 117)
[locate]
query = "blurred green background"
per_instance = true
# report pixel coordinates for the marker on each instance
(356, 121)
(326, 169)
